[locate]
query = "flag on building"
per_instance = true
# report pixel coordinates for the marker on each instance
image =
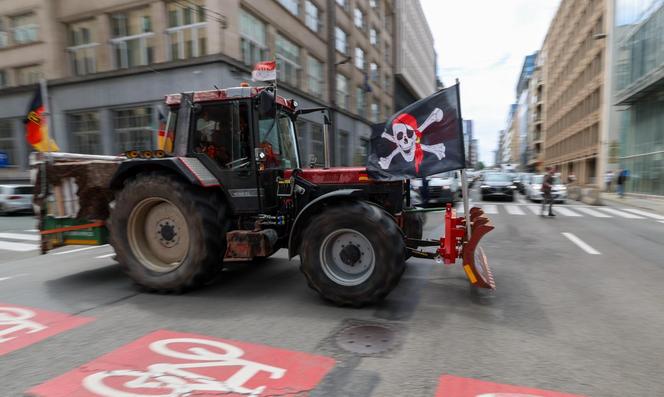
(165, 137)
(423, 139)
(36, 129)
(265, 71)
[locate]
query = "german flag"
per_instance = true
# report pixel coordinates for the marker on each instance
(165, 138)
(36, 130)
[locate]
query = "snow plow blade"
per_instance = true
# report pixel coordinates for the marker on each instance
(475, 263)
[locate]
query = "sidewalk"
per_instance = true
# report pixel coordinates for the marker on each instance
(649, 204)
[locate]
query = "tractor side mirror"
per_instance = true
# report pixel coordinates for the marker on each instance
(266, 104)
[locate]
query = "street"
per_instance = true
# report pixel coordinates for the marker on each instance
(577, 310)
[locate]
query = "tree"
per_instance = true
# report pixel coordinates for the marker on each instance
(480, 165)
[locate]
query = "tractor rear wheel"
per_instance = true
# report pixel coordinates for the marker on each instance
(353, 254)
(169, 236)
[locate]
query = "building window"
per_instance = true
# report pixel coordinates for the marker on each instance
(342, 91)
(288, 56)
(375, 112)
(291, 5)
(134, 129)
(343, 4)
(315, 76)
(253, 40)
(28, 75)
(83, 48)
(8, 145)
(4, 36)
(374, 73)
(85, 130)
(358, 17)
(373, 3)
(186, 34)
(132, 38)
(373, 37)
(360, 104)
(3, 79)
(359, 58)
(388, 82)
(340, 40)
(388, 54)
(312, 16)
(361, 152)
(25, 28)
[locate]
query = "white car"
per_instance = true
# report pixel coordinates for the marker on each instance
(534, 189)
(443, 188)
(15, 198)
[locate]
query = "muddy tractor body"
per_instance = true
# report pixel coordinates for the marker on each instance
(228, 185)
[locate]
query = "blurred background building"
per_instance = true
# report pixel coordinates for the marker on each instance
(110, 63)
(639, 94)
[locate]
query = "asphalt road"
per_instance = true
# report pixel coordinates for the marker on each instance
(580, 313)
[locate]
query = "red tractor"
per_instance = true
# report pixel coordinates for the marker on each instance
(230, 186)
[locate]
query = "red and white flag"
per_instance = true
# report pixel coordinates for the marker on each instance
(265, 71)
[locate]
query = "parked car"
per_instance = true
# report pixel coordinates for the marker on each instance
(498, 185)
(15, 198)
(534, 189)
(524, 179)
(443, 188)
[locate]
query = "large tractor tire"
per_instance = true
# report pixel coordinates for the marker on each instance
(352, 254)
(168, 235)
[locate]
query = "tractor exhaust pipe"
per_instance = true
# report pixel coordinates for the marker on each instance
(326, 140)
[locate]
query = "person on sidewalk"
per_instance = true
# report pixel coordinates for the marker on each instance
(547, 196)
(608, 179)
(620, 184)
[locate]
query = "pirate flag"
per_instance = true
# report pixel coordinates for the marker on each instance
(423, 139)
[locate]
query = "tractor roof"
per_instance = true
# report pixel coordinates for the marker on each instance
(228, 93)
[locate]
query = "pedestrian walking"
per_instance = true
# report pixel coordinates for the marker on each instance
(608, 179)
(547, 186)
(620, 183)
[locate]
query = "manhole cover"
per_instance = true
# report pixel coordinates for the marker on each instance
(366, 339)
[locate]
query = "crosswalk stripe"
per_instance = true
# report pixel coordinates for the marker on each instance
(514, 210)
(535, 209)
(565, 211)
(105, 255)
(520, 200)
(80, 249)
(20, 236)
(490, 208)
(646, 214)
(31, 230)
(21, 247)
(592, 212)
(621, 213)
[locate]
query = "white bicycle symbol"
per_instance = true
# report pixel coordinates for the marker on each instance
(177, 380)
(17, 319)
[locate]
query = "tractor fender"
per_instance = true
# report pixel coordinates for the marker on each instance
(187, 168)
(312, 208)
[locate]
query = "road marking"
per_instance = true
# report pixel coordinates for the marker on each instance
(581, 244)
(80, 249)
(620, 213)
(592, 212)
(646, 214)
(105, 256)
(520, 200)
(566, 211)
(30, 237)
(187, 364)
(490, 208)
(11, 277)
(514, 210)
(20, 247)
(449, 385)
(535, 209)
(661, 221)
(31, 230)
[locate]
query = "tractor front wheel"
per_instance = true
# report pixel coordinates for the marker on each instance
(352, 254)
(168, 235)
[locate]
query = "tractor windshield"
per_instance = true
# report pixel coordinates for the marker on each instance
(279, 145)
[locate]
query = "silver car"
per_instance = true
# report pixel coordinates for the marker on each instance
(534, 189)
(15, 198)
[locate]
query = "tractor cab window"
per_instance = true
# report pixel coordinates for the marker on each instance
(277, 139)
(222, 132)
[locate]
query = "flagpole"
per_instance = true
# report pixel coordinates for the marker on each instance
(464, 176)
(47, 112)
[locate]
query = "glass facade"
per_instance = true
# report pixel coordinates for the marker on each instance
(639, 65)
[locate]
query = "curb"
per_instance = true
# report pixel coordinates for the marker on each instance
(629, 204)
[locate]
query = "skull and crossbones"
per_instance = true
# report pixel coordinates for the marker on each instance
(406, 134)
